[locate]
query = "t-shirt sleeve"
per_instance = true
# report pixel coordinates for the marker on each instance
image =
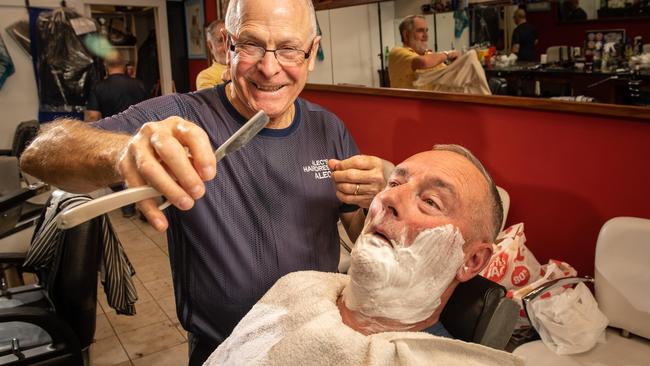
(130, 121)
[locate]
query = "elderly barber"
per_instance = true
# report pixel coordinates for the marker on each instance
(272, 209)
(431, 228)
(414, 54)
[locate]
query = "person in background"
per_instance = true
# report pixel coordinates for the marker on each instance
(524, 37)
(114, 95)
(217, 73)
(431, 228)
(414, 54)
(272, 209)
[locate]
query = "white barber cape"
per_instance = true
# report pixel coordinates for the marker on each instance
(297, 323)
(464, 75)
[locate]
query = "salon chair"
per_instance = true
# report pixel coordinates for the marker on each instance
(22, 198)
(62, 304)
(498, 86)
(621, 286)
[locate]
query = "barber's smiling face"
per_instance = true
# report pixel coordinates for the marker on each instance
(266, 84)
(428, 190)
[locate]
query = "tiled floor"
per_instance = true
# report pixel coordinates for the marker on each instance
(153, 336)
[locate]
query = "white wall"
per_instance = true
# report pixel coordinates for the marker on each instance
(19, 96)
(351, 44)
(322, 73)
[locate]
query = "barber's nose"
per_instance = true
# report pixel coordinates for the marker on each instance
(269, 65)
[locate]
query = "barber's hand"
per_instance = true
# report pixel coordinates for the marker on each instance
(453, 54)
(358, 179)
(158, 155)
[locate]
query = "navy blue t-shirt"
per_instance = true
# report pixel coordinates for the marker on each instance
(271, 210)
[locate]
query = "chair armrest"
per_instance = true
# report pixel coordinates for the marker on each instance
(15, 198)
(548, 286)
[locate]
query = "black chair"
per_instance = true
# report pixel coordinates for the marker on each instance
(498, 86)
(479, 312)
(63, 304)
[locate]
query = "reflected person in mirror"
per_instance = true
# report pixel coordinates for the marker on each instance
(431, 228)
(274, 206)
(414, 53)
(524, 37)
(218, 72)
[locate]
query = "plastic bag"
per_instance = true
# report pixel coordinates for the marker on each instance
(66, 69)
(515, 267)
(569, 322)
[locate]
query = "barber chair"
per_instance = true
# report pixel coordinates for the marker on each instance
(621, 286)
(479, 312)
(498, 86)
(57, 315)
(21, 201)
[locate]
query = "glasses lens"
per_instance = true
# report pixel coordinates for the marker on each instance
(290, 56)
(249, 51)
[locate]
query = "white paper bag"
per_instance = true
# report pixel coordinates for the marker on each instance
(569, 322)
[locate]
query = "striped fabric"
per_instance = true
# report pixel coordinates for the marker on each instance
(115, 269)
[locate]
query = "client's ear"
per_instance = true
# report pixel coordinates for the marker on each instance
(477, 256)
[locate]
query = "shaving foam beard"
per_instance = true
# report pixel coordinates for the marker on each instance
(403, 284)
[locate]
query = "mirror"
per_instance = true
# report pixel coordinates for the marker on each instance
(357, 39)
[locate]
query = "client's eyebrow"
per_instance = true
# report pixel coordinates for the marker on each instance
(435, 182)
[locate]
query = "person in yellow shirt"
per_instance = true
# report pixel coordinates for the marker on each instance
(218, 72)
(414, 54)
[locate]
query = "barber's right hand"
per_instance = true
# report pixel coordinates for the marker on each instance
(158, 156)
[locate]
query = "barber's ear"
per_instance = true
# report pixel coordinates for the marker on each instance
(314, 51)
(226, 41)
(477, 256)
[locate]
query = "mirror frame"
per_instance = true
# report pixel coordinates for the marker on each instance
(641, 114)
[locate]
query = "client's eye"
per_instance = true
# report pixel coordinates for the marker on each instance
(392, 183)
(432, 203)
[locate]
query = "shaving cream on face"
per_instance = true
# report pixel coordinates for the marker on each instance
(403, 283)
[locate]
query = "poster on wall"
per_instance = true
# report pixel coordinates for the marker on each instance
(194, 20)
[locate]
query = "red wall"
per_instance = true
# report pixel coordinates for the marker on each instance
(553, 33)
(566, 173)
(195, 66)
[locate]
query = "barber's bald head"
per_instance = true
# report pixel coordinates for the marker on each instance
(237, 11)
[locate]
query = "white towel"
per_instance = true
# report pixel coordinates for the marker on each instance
(297, 323)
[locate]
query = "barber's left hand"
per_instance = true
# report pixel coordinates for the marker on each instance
(358, 179)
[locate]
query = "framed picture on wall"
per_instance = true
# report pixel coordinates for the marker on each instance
(194, 19)
(596, 39)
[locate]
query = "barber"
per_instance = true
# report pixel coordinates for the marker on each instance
(273, 208)
(414, 54)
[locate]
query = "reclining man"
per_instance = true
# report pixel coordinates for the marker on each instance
(431, 228)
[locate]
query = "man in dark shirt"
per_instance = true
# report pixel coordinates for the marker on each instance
(116, 93)
(524, 37)
(113, 95)
(571, 10)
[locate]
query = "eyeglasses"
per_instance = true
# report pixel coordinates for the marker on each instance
(285, 56)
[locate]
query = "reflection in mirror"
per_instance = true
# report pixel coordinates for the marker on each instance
(357, 41)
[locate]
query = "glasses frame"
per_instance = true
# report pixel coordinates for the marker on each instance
(232, 47)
